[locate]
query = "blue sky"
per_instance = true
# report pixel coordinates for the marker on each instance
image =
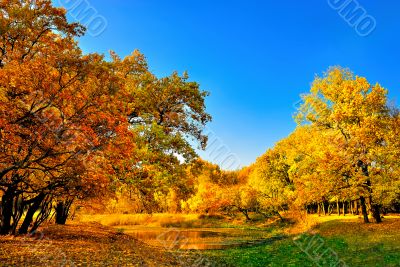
(255, 57)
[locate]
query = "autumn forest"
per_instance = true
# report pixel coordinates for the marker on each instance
(94, 141)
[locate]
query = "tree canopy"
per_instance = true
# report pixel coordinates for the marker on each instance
(72, 124)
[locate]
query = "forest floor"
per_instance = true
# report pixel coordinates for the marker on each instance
(330, 240)
(88, 244)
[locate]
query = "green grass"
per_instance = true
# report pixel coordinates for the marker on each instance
(280, 253)
(355, 243)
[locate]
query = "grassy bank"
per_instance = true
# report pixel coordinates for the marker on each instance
(348, 240)
(355, 244)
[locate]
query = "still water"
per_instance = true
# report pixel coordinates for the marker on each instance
(209, 238)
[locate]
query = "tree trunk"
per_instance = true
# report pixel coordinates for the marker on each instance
(351, 207)
(279, 215)
(62, 211)
(364, 209)
(375, 210)
(6, 211)
(30, 213)
(356, 207)
(338, 207)
(344, 208)
(325, 206)
(374, 207)
(246, 214)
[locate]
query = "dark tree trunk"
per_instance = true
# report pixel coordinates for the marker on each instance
(338, 207)
(356, 207)
(364, 209)
(62, 211)
(246, 214)
(30, 213)
(374, 207)
(7, 201)
(325, 206)
(375, 210)
(279, 215)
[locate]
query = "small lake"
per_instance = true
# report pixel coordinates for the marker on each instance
(204, 238)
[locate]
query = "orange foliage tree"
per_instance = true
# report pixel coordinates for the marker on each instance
(62, 121)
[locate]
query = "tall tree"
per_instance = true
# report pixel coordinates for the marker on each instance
(59, 110)
(168, 116)
(357, 112)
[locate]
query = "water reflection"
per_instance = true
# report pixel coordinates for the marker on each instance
(174, 234)
(195, 239)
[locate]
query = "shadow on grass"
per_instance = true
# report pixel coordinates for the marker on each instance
(350, 242)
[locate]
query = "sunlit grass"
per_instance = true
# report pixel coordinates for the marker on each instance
(356, 243)
(155, 219)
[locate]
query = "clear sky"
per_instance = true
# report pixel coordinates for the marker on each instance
(255, 57)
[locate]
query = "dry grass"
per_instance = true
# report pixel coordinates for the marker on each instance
(153, 220)
(304, 223)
